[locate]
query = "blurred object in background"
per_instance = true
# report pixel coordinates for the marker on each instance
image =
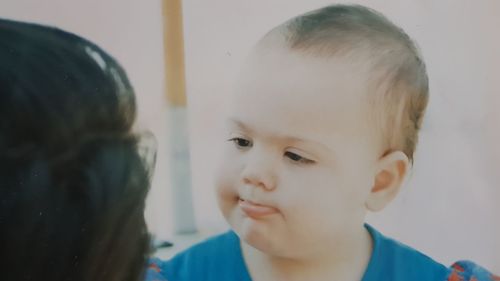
(177, 118)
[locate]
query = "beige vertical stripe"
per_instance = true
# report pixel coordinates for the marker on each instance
(174, 52)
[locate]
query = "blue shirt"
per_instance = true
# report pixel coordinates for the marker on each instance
(220, 259)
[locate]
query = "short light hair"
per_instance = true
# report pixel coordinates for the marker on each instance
(399, 74)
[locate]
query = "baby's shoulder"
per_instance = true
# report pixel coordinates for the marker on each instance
(209, 258)
(402, 262)
(469, 271)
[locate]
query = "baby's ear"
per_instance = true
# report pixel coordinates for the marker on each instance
(390, 174)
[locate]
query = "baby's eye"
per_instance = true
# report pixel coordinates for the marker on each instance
(241, 142)
(297, 158)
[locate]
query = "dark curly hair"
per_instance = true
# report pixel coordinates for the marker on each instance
(73, 181)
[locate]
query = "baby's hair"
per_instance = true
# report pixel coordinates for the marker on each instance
(73, 181)
(398, 77)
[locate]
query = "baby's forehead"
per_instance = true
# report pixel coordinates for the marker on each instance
(302, 101)
(276, 71)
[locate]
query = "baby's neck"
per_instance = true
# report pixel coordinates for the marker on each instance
(347, 262)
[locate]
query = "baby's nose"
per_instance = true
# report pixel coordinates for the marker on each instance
(260, 171)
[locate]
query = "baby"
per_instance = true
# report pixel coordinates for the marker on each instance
(322, 130)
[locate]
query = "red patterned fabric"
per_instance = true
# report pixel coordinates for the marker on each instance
(469, 271)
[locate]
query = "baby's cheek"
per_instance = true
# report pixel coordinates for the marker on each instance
(225, 176)
(298, 209)
(226, 191)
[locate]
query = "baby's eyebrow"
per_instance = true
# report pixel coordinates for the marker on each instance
(301, 140)
(239, 124)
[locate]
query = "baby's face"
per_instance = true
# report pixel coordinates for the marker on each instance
(301, 157)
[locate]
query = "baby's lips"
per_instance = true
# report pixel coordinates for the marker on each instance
(255, 210)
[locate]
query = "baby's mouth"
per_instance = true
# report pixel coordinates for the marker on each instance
(255, 210)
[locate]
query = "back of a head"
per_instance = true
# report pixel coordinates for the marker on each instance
(72, 180)
(364, 36)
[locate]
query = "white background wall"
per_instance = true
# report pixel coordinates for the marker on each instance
(450, 208)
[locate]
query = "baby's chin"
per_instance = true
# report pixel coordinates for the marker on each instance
(256, 234)
(265, 245)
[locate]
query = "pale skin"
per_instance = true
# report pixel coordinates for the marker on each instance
(303, 166)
